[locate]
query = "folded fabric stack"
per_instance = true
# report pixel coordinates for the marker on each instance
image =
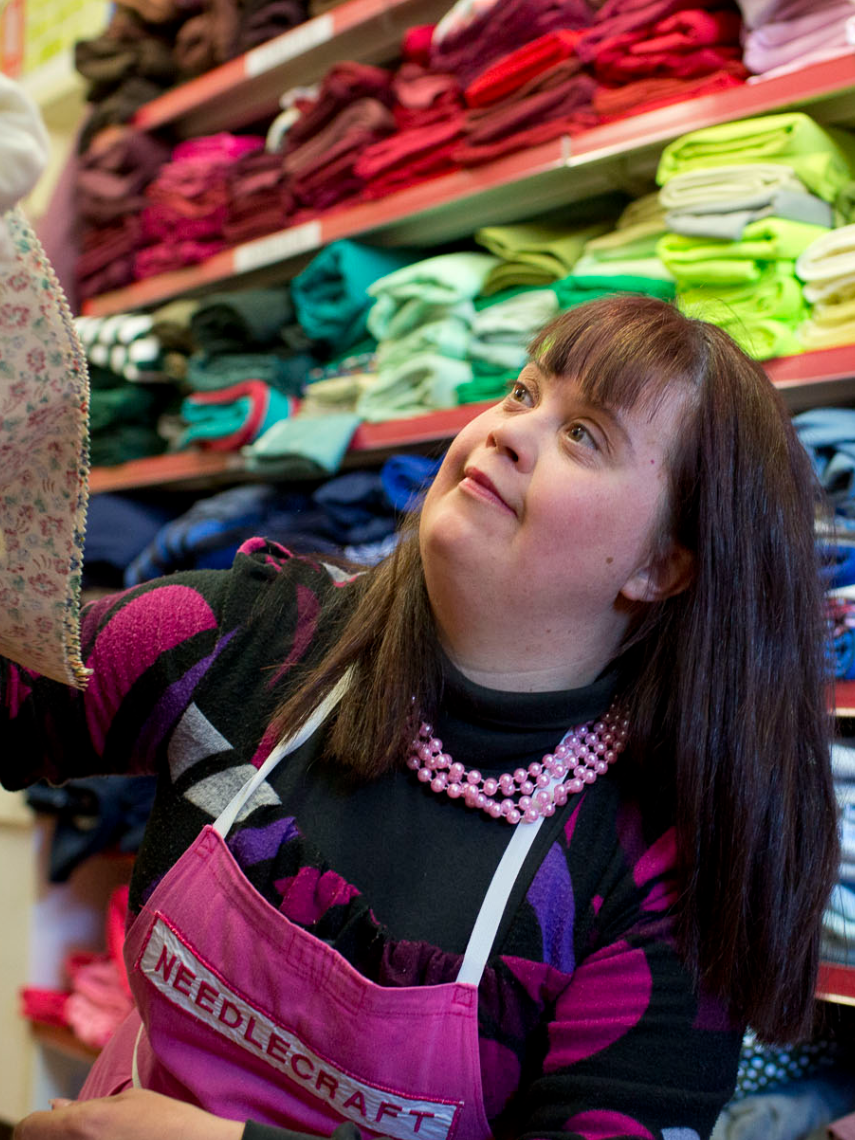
(535, 93)
(786, 34)
(261, 20)
(744, 200)
(249, 334)
(651, 53)
(188, 202)
(502, 328)
(111, 177)
(127, 344)
(428, 111)
(228, 419)
(535, 253)
(257, 201)
(422, 320)
(471, 37)
(352, 110)
(628, 250)
(123, 417)
(331, 295)
(131, 62)
(827, 268)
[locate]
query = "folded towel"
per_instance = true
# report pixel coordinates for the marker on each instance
(799, 206)
(701, 261)
(418, 385)
(734, 186)
(406, 297)
(230, 418)
(822, 158)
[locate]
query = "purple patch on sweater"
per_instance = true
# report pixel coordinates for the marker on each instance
(551, 897)
(607, 996)
(173, 702)
(602, 1124)
(542, 983)
(255, 844)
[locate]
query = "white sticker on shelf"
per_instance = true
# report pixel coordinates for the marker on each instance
(289, 45)
(277, 247)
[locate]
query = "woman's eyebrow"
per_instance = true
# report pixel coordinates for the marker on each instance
(609, 413)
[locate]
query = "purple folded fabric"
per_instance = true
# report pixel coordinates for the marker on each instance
(819, 32)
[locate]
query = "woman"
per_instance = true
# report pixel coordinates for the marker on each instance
(507, 931)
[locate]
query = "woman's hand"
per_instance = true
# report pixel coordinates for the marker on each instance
(136, 1114)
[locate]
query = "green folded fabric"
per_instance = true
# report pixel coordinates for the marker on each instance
(573, 290)
(534, 253)
(513, 316)
(323, 440)
(448, 337)
(425, 291)
(590, 266)
(331, 294)
(823, 158)
(708, 261)
(422, 383)
(487, 383)
(776, 293)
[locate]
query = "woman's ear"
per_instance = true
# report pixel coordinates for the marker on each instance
(661, 578)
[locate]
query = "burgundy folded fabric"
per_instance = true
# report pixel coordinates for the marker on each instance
(512, 71)
(470, 50)
(559, 93)
(100, 246)
(423, 97)
(690, 29)
(358, 123)
(619, 17)
(472, 154)
(646, 94)
(345, 83)
(114, 171)
(256, 205)
(162, 258)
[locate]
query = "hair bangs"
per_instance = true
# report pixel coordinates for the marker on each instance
(624, 350)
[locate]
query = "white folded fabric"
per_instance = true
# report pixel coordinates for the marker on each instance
(831, 255)
(741, 186)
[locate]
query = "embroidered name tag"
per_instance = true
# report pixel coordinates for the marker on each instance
(185, 981)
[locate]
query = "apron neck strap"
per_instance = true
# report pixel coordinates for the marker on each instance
(224, 821)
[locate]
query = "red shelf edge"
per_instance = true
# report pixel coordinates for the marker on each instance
(836, 983)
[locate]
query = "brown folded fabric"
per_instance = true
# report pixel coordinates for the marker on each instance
(154, 11)
(560, 93)
(367, 117)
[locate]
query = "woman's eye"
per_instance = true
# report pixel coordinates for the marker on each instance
(519, 393)
(580, 434)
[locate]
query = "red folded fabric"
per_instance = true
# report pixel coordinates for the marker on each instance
(416, 43)
(407, 148)
(166, 256)
(612, 103)
(619, 17)
(515, 69)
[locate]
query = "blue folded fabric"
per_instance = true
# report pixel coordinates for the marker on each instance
(405, 479)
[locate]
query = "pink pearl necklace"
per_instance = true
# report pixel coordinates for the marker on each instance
(584, 753)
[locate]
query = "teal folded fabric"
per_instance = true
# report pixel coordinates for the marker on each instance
(331, 296)
(823, 158)
(322, 440)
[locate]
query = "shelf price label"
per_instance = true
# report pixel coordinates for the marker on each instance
(289, 45)
(277, 247)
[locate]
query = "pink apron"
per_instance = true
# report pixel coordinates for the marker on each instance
(246, 1014)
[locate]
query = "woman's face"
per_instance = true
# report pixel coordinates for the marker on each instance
(550, 503)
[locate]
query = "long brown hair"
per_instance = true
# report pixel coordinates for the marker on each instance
(725, 683)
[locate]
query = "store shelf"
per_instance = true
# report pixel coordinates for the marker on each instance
(844, 698)
(836, 983)
(371, 442)
(617, 155)
(248, 88)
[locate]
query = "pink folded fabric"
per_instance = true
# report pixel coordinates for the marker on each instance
(646, 94)
(44, 401)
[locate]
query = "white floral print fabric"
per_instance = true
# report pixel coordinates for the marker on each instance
(44, 443)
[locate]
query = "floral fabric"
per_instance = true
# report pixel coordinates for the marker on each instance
(43, 464)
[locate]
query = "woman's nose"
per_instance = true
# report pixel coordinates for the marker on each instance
(515, 439)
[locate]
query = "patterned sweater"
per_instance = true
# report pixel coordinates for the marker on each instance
(588, 1025)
